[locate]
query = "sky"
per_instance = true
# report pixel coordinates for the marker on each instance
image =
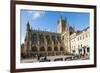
(47, 20)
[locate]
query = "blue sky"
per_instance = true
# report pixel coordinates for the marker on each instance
(47, 20)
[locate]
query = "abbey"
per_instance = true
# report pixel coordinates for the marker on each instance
(64, 42)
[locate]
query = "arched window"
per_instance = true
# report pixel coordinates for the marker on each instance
(48, 39)
(49, 49)
(34, 38)
(41, 39)
(53, 38)
(55, 48)
(42, 49)
(34, 49)
(61, 49)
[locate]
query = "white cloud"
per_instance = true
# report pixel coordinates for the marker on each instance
(36, 14)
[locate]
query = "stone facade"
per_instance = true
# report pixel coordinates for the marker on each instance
(80, 42)
(44, 43)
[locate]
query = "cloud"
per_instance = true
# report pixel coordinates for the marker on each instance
(36, 14)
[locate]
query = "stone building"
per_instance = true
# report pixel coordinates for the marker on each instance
(80, 42)
(44, 43)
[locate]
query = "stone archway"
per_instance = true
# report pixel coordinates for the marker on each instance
(55, 48)
(49, 49)
(34, 49)
(61, 48)
(42, 49)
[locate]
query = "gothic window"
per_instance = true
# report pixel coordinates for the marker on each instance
(34, 48)
(48, 39)
(61, 49)
(49, 49)
(55, 48)
(41, 39)
(42, 49)
(34, 38)
(53, 38)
